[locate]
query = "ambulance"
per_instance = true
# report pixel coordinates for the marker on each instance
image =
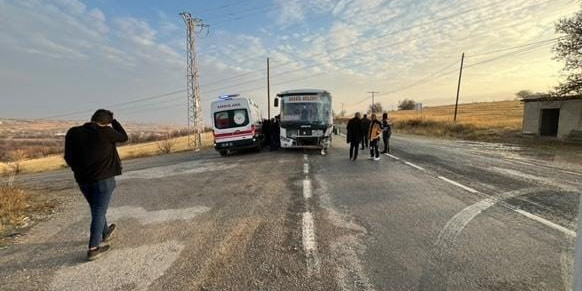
(236, 123)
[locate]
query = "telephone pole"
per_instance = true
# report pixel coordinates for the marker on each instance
(268, 91)
(193, 26)
(459, 87)
(373, 92)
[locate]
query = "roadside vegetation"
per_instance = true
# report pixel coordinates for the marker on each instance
(487, 121)
(126, 152)
(19, 208)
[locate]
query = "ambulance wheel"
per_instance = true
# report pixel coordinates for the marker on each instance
(223, 153)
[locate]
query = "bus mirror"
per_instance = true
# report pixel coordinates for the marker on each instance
(276, 102)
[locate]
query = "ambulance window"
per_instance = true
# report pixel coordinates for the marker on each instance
(240, 117)
(221, 119)
(231, 118)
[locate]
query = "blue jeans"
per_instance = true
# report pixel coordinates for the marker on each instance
(98, 195)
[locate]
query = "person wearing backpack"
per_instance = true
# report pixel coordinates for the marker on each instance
(374, 135)
(386, 132)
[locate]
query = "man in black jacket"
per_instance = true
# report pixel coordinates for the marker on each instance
(91, 153)
(365, 129)
(354, 136)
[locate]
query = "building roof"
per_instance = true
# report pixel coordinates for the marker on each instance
(547, 98)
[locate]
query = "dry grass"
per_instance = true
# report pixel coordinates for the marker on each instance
(13, 206)
(125, 152)
(503, 115)
(487, 121)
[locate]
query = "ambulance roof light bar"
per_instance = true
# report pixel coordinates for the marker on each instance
(228, 96)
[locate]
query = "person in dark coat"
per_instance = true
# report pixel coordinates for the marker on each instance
(275, 133)
(386, 132)
(365, 129)
(267, 131)
(354, 136)
(90, 151)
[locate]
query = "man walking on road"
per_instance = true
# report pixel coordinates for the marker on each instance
(354, 136)
(386, 132)
(90, 151)
(365, 128)
(374, 135)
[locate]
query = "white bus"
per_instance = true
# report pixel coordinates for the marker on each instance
(306, 119)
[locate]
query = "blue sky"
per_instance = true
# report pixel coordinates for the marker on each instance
(60, 57)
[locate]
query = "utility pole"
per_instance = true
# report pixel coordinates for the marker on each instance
(268, 91)
(373, 92)
(459, 87)
(193, 26)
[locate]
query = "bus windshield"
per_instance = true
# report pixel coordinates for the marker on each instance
(303, 112)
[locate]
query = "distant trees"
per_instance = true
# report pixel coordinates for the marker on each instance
(569, 50)
(375, 108)
(406, 104)
(528, 94)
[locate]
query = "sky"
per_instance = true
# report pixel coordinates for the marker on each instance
(63, 59)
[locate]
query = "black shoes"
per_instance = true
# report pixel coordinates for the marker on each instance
(109, 233)
(96, 253)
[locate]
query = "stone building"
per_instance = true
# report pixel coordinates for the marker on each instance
(555, 117)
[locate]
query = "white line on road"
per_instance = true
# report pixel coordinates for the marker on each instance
(305, 157)
(546, 222)
(306, 189)
(394, 157)
(458, 184)
(414, 166)
(455, 225)
(309, 243)
(305, 168)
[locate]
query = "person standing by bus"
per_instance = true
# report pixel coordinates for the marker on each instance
(386, 132)
(365, 129)
(354, 136)
(374, 135)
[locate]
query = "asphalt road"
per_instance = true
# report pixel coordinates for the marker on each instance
(436, 215)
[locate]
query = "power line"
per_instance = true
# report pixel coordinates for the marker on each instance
(115, 104)
(391, 33)
(248, 73)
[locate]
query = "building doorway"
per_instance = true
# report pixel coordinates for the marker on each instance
(549, 124)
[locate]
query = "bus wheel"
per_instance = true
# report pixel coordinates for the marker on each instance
(223, 153)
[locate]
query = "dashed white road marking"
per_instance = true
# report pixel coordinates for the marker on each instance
(414, 166)
(310, 244)
(305, 168)
(306, 189)
(129, 268)
(394, 157)
(150, 217)
(547, 222)
(305, 157)
(458, 184)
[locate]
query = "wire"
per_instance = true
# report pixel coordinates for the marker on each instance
(115, 104)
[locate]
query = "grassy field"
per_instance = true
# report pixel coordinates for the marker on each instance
(487, 121)
(126, 152)
(504, 115)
